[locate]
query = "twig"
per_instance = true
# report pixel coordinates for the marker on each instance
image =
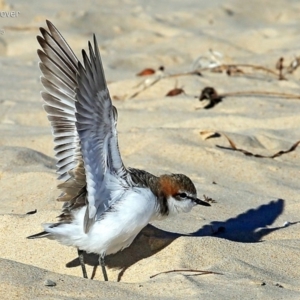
(266, 93)
(248, 153)
(279, 66)
(147, 83)
(214, 98)
(154, 79)
(191, 270)
(255, 67)
(184, 74)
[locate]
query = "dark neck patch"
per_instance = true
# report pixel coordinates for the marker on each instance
(163, 204)
(142, 178)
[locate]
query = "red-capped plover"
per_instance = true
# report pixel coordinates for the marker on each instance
(105, 204)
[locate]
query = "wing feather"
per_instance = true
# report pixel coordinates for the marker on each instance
(96, 126)
(83, 122)
(59, 67)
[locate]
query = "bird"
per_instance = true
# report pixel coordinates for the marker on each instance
(105, 204)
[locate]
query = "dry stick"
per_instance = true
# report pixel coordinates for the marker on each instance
(248, 93)
(198, 72)
(155, 80)
(248, 153)
(162, 77)
(280, 67)
(255, 67)
(266, 93)
(196, 271)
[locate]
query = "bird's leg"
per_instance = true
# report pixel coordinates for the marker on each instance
(81, 261)
(102, 264)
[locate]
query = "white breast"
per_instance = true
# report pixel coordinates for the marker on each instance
(115, 230)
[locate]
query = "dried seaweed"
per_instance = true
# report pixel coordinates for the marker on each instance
(213, 63)
(200, 272)
(210, 93)
(210, 134)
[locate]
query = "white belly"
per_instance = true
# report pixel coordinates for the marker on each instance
(115, 231)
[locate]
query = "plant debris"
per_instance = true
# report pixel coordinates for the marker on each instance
(210, 94)
(213, 62)
(210, 134)
(191, 270)
(149, 71)
(279, 67)
(32, 212)
(208, 199)
(175, 92)
(214, 97)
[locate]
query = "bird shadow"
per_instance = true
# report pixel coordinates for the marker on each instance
(247, 227)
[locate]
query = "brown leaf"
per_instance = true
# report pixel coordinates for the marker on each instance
(146, 72)
(149, 71)
(175, 92)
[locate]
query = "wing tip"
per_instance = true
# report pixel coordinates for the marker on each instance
(38, 235)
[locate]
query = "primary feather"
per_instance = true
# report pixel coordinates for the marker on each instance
(83, 122)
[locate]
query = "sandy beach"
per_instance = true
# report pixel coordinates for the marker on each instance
(236, 146)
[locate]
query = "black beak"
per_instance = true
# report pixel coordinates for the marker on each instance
(201, 202)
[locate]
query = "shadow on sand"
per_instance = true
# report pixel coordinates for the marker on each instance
(248, 227)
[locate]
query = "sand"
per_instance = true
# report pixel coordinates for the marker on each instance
(249, 236)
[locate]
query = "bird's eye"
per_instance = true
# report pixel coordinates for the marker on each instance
(183, 195)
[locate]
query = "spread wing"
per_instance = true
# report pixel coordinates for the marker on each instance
(96, 125)
(83, 123)
(59, 67)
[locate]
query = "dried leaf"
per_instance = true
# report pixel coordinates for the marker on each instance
(207, 134)
(175, 92)
(146, 72)
(149, 71)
